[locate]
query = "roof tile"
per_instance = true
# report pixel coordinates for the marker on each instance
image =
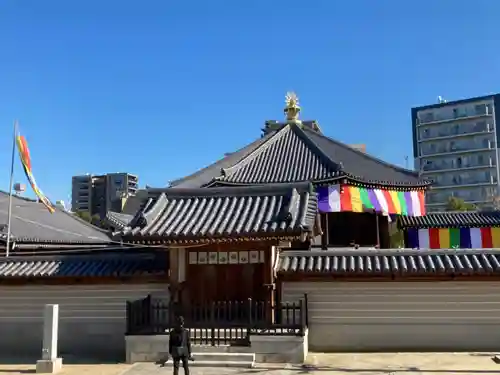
(289, 156)
(293, 153)
(185, 214)
(117, 265)
(355, 262)
(451, 220)
(31, 222)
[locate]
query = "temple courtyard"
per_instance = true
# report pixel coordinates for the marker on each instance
(318, 363)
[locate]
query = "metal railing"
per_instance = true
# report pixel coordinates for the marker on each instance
(218, 323)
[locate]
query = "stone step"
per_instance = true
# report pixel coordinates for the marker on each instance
(220, 349)
(223, 359)
(222, 364)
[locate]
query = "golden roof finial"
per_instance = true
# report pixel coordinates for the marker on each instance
(292, 107)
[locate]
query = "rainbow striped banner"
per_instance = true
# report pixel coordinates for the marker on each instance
(448, 238)
(336, 198)
(24, 155)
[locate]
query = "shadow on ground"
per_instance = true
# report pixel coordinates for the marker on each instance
(307, 369)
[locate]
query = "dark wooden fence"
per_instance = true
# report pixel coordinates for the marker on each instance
(217, 323)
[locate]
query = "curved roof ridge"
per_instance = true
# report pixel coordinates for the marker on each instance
(226, 159)
(337, 167)
(276, 136)
(276, 188)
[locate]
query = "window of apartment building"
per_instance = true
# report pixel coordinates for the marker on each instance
(480, 109)
(427, 117)
(480, 126)
(485, 143)
(425, 133)
(432, 178)
(427, 149)
(481, 160)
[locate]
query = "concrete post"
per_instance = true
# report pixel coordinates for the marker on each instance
(50, 363)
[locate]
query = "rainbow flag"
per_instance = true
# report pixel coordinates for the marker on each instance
(338, 198)
(24, 155)
(448, 238)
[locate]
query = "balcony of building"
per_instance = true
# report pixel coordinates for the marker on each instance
(458, 164)
(457, 147)
(477, 195)
(467, 129)
(463, 178)
(431, 118)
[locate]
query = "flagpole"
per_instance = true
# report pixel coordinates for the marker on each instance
(10, 187)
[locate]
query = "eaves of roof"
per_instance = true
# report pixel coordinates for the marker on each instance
(118, 220)
(226, 214)
(470, 219)
(391, 262)
(32, 223)
(83, 266)
(293, 154)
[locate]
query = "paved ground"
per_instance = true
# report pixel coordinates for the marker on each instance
(110, 369)
(363, 364)
(318, 364)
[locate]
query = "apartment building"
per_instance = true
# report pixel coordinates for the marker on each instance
(455, 145)
(96, 194)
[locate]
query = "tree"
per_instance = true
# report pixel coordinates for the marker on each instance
(396, 237)
(457, 204)
(84, 215)
(493, 200)
(96, 220)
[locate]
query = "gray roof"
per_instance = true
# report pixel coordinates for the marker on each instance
(207, 174)
(391, 262)
(451, 220)
(186, 215)
(293, 154)
(32, 222)
(103, 265)
(118, 220)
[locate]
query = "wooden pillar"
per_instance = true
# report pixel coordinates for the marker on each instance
(377, 225)
(325, 238)
(270, 282)
(177, 274)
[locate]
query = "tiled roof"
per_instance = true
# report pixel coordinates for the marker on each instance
(294, 154)
(227, 213)
(362, 165)
(31, 222)
(289, 156)
(392, 262)
(207, 174)
(104, 265)
(451, 220)
(118, 220)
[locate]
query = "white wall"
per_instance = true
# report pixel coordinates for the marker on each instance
(395, 316)
(92, 318)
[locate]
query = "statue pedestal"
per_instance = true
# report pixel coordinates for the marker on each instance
(48, 366)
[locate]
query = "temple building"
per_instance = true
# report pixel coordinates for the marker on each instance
(273, 222)
(293, 188)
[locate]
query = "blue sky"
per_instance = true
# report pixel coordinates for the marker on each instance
(161, 88)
